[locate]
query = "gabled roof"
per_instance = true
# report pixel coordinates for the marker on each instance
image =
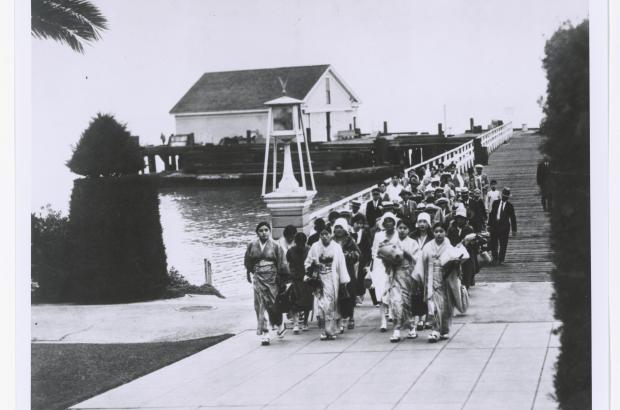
(247, 89)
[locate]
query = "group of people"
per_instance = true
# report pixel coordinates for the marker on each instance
(414, 247)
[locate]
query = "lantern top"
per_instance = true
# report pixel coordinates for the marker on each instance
(284, 100)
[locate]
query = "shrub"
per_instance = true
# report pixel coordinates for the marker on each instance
(179, 286)
(48, 252)
(106, 149)
(566, 126)
(116, 247)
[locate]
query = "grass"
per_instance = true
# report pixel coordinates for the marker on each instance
(66, 374)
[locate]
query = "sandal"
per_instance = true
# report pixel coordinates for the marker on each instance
(351, 324)
(395, 337)
(444, 337)
(433, 337)
(412, 334)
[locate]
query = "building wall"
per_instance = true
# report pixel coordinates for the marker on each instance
(340, 107)
(212, 128)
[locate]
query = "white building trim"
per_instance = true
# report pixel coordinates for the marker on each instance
(233, 112)
(336, 77)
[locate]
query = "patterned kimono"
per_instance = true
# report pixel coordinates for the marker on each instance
(400, 284)
(266, 262)
(332, 272)
(377, 273)
(438, 263)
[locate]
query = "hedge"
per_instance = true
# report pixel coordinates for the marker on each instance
(116, 250)
(566, 126)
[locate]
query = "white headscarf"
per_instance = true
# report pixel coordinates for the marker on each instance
(424, 217)
(388, 215)
(342, 222)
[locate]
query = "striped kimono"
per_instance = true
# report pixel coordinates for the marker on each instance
(438, 264)
(332, 272)
(266, 261)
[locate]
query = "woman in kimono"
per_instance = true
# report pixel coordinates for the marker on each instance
(439, 263)
(399, 261)
(421, 235)
(413, 254)
(351, 256)
(304, 299)
(326, 258)
(264, 263)
(377, 271)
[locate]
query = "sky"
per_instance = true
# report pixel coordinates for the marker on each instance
(404, 59)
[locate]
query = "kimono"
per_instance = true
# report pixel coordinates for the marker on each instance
(332, 268)
(438, 262)
(377, 273)
(304, 299)
(400, 284)
(351, 256)
(267, 262)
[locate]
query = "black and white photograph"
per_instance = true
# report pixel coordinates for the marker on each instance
(274, 204)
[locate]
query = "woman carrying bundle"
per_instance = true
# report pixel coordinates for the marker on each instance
(440, 261)
(327, 260)
(399, 264)
(377, 271)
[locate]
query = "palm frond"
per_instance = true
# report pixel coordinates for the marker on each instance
(68, 21)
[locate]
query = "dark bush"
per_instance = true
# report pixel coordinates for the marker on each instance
(566, 125)
(116, 247)
(48, 252)
(106, 149)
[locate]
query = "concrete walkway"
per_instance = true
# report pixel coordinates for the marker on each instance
(483, 366)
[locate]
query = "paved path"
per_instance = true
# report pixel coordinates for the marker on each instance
(500, 356)
(483, 366)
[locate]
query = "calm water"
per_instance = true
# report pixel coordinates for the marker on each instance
(217, 223)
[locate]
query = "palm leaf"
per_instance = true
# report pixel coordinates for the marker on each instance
(72, 22)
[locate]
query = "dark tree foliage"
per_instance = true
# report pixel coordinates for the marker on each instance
(48, 251)
(67, 21)
(567, 128)
(116, 247)
(106, 149)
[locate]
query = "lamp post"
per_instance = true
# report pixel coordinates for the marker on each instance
(288, 201)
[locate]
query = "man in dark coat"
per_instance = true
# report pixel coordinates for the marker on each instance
(374, 208)
(502, 220)
(543, 179)
(362, 237)
(476, 213)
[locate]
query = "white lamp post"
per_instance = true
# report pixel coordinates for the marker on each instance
(288, 201)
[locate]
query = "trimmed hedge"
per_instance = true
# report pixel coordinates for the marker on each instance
(48, 252)
(567, 128)
(116, 250)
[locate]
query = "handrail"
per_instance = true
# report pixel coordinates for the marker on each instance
(462, 156)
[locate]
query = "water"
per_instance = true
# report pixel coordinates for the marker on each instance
(217, 223)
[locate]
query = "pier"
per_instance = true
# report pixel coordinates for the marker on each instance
(500, 355)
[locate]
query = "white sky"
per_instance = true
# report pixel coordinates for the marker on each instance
(405, 59)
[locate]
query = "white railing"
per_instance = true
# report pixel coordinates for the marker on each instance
(496, 137)
(462, 156)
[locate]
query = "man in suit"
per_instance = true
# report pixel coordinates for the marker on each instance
(476, 213)
(481, 180)
(502, 220)
(374, 208)
(406, 208)
(543, 179)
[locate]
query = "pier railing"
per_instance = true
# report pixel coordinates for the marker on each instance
(462, 156)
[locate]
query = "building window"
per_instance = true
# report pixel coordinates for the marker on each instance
(328, 96)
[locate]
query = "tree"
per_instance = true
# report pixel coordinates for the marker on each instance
(567, 127)
(67, 21)
(106, 149)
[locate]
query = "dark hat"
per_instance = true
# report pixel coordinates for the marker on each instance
(506, 191)
(359, 218)
(404, 192)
